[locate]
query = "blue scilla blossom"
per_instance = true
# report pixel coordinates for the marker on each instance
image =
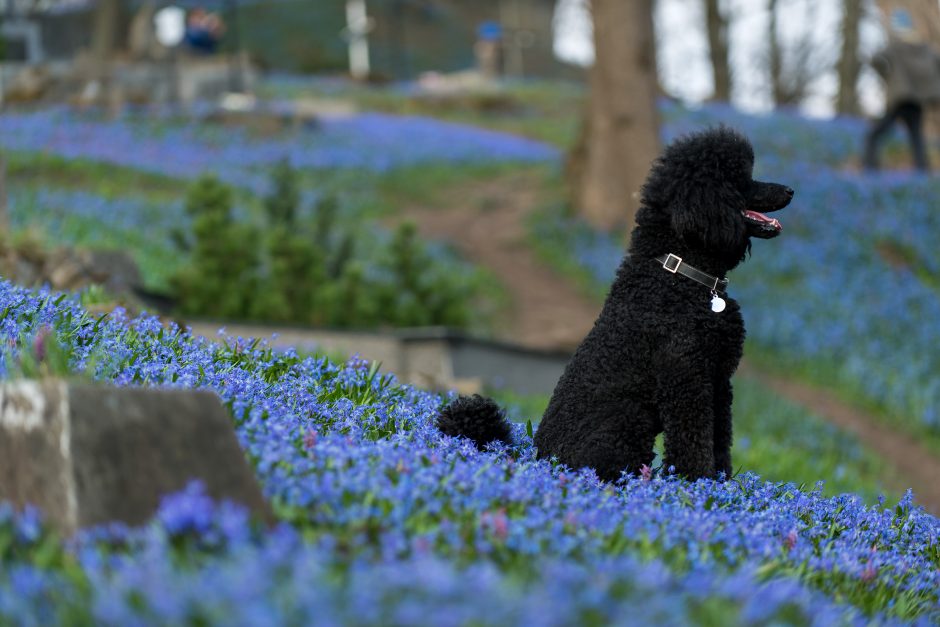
(382, 516)
(372, 141)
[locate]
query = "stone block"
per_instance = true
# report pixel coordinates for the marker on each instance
(88, 454)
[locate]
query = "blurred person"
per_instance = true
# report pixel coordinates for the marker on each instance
(488, 49)
(203, 31)
(910, 69)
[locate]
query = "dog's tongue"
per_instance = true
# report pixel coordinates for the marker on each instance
(760, 217)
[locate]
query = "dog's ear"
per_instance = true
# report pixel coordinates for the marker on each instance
(708, 216)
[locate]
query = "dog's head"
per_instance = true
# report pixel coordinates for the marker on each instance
(701, 189)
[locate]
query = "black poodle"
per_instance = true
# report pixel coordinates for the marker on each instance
(662, 352)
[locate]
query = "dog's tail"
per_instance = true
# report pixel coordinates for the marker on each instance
(477, 418)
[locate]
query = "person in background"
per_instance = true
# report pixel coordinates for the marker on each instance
(911, 72)
(203, 31)
(488, 50)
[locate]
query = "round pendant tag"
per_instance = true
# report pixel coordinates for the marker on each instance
(718, 303)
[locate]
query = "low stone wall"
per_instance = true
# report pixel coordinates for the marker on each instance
(434, 358)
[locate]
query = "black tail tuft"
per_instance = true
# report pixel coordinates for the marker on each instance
(477, 418)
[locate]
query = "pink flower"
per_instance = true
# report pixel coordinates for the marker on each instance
(422, 546)
(646, 473)
(310, 439)
(790, 540)
(39, 343)
(497, 522)
(868, 573)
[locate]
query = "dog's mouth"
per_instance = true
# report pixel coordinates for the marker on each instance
(765, 197)
(760, 225)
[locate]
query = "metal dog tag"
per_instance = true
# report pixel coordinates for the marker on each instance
(718, 303)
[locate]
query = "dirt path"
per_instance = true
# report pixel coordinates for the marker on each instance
(488, 226)
(916, 466)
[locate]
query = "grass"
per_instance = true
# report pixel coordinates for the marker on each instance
(112, 181)
(824, 375)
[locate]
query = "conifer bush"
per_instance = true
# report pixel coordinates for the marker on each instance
(222, 274)
(311, 267)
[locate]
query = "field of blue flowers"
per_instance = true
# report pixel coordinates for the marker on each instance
(187, 147)
(385, 521)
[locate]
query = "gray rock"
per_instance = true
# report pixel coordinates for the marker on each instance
(116, 270)
(88, 454)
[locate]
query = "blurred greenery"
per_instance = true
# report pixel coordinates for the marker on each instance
(312, 268)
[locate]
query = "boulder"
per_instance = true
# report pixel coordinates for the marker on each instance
(89, 454)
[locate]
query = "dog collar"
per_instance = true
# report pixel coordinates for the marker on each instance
(673, 263)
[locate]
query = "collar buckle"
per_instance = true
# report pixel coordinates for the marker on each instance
(675, 260)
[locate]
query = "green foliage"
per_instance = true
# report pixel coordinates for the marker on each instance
(281, 204)
(304, 266)
(38, 355)
(222, 275)
(295, 273)
(419, 293)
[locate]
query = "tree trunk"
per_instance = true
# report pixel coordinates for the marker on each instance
(104, 37)
(716, 24)
(621, 130)
(775, 54)
(849, 64)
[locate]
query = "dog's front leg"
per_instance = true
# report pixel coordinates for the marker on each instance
(686, 400)
(722, 428)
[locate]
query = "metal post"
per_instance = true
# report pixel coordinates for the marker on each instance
(357, 25)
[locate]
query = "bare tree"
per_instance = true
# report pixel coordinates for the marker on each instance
(794, 67)
(716, 25)
(620, 134)
(849, 65)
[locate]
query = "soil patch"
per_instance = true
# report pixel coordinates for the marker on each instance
(487, 224)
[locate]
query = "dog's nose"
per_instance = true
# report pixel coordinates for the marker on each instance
(789, 192)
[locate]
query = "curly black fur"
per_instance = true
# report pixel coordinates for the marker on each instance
(477, 418)
(658, 359)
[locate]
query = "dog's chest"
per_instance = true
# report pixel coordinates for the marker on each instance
(719, 333)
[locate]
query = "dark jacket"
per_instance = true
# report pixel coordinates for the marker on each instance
(911, 72)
